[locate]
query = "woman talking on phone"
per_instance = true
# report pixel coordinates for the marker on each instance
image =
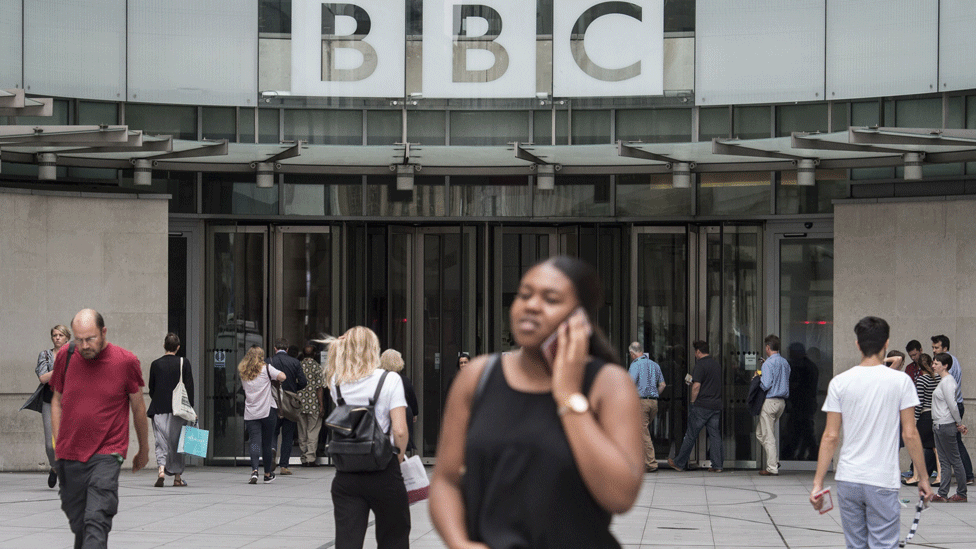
(541, 452)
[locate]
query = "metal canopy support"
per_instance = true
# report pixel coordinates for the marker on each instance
(912, 136)
(27, 136)
(634, 152)
(735, 149)
(218, 148)
(290, 152)
(523, 154)
(803, 140)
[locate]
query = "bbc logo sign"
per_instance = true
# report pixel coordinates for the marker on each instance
(477, 48)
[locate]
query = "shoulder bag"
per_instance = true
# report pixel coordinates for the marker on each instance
(36, 401)
(288, 402)
(181, 401)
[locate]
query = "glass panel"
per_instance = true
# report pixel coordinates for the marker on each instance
(955, 112)
(246, 121)
(234, 194)
(306, 286)
(319, 127)
(865, 113)
(519, 251)
(491, 196)
(919, 113)
(575, 195)
(384, 127)
(180, 122)
(238, 316)
(220, 123)
(651, 194)
(801, 118)
(542, 128)
(734, 193)
(489, 127)
(714, 122)
(806, 312)
(733, 289)
(59, 117)
(654, 125)
(662, 326)
(792, 198)
(591, 127)
(268, 120)
(92, 113)
(428, 198)
(183, 188)
(426, 127)
(751, 122)
(840, 117)
(679, 15)
(274, 17)
(323, 195)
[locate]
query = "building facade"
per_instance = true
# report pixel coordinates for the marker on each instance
(732, 169)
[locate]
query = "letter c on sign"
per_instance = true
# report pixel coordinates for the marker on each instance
(332, 42)
(578, 48)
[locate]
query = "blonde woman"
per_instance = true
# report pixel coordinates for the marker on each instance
(260, 413)
(60, 336)
(391, 360)
(354, 361)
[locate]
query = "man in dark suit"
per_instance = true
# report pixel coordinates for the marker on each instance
(295, 380)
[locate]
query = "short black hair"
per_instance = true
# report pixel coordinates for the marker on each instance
(701, 346)
(773, 341)
(281, 343)
(872, 334)
(944, 358)
(913, 345)
(171, 343)
(941, 338)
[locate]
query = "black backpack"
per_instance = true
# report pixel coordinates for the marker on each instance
(358, 443)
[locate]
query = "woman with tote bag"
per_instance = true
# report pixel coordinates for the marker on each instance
(165, 375)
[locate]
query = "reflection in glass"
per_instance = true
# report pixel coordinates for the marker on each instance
(489, 127)
(651, 194)
(574, 196)
(793, 198)
(428, 197)
(654, 125)
(178, 121)
(324, 127)
(519, 251)
(491, 196)
(806, 312)
(220, 123)
(801, 118)
(714, 122)
(662, 326)
(229, 194)
(427, 127)
(751, 122)
(306, 286)
(591, 127)
(323, 195)
(734, 193)
(542, 127)
(384, 127)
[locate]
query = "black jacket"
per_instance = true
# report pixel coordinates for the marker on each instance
(295, 377)
(164, 374)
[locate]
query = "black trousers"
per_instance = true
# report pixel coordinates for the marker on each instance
(383, 492)
(90, 498)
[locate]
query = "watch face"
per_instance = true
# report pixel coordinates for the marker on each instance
(578, 403)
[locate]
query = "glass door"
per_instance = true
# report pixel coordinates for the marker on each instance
(237, 318)
(304, 288)
(516, 249)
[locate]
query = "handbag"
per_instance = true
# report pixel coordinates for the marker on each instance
(415, 479)
(36, 401)
(193, 441)
(358, 443)
(181, 401)
(288, 402)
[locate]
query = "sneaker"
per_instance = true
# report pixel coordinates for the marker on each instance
(969, 481)
(269, 479)
(284, 471)
(254, 477)
(52, 479)
(938, 499)
(958, 499)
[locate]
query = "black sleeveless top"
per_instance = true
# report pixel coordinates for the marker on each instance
(521, 486)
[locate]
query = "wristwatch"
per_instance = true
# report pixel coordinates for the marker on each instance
(575, 403)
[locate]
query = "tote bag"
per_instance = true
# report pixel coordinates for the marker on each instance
(181, 401)
(415, 479)
(193, 441)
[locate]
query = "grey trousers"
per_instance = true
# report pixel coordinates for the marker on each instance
(166, 430)
(869, 514)
(949, 459)
(48, 443)
(90, 498)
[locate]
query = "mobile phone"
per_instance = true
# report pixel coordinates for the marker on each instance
(829, 503)
(551, 343)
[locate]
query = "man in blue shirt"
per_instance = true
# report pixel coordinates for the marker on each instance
(650, 382)
(776, 382)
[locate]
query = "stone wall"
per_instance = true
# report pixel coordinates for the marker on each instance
(913, 263)
(60, 253)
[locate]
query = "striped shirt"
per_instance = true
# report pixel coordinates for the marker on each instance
(924, 384)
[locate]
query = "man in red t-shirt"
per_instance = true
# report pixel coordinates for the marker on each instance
(94, 389)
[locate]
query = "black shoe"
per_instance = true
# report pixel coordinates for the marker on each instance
(52, 479)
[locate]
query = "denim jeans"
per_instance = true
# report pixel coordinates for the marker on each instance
(260, 434)
(699, 418)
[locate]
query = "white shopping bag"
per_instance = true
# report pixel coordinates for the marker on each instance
(415, 479)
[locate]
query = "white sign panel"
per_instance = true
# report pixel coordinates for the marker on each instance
(479, 48)
(608, 49)
(348, 49)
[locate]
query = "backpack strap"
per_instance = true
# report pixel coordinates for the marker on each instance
(339, 400)
(485, 373)
(379, 386)
(67, 359)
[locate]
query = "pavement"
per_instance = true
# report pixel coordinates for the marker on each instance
(693, 509)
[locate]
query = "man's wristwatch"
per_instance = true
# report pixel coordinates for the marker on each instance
(575, 403)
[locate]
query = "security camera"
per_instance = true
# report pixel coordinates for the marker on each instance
(808, 225)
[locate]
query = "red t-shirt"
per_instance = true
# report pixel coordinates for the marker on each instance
(95, 402)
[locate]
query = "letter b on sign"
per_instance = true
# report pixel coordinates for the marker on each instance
(334, 43)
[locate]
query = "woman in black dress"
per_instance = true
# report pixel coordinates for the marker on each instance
(539, 453)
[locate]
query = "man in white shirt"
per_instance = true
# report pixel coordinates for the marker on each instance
(870, 402)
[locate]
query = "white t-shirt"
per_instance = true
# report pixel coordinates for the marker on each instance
(870, 400)
(361, 390)
(257, 394)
